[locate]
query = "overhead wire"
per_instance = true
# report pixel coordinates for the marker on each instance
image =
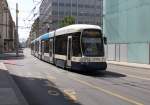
(32, 15)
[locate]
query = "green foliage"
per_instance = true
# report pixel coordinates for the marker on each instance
(68, 20)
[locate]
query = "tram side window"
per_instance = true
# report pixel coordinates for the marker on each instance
(76, 45)
(37, 46)
(50, 45)
(32, 47)
(46, 46)
(61, 45)
(42, 47)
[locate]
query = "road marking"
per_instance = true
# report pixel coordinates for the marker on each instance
(108, 92)
(71, 94)
(12, 62)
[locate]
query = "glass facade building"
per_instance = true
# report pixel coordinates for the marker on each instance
(84, 11)
(127, 26)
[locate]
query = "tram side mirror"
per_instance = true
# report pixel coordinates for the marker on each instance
(105, 40)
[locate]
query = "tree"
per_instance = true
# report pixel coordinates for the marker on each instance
(68, 20)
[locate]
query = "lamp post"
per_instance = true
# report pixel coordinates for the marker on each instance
(17, 39)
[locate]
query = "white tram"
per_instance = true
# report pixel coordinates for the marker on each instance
(77, 47)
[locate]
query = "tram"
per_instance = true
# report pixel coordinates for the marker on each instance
(76, 47)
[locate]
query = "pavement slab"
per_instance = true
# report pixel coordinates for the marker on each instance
(9, 92)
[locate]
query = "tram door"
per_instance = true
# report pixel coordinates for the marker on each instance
(51, 50)
(69, 51)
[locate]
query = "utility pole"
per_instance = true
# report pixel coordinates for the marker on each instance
(17, 38)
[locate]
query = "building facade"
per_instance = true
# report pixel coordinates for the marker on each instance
(127, 27)
(84, 12)
(1, 27)
(34, 33)
(7, 28)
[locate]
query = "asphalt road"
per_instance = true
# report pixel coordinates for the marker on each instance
(44, 84)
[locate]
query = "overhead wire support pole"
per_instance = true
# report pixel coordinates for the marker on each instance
(17, 38)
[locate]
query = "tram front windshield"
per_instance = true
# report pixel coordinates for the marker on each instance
(92, 43)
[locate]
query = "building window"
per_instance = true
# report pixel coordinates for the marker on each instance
(74, 5)
(61, 4)
(54, 4)
(54, 12)
(68, 5)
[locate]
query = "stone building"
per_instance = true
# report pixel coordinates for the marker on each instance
(34, 33)
(7, 27)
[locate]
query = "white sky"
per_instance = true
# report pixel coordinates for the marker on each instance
(26, 17)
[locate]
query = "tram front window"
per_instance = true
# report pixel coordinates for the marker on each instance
(92, 45)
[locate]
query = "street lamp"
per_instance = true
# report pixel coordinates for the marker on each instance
(17, 38)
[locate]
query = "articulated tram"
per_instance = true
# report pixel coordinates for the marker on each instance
(76, 47)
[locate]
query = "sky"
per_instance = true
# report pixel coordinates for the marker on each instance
(27, 9)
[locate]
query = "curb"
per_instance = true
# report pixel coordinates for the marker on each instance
(133, 65)
(21, 99)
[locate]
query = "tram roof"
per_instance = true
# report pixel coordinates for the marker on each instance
(33, 41)
(51, 34)
(47, 35)
(75, 28)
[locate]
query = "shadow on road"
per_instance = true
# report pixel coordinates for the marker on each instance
(104, 74)
(39, 91)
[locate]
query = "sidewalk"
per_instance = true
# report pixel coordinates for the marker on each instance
(9, 92)
(11, 55)
(135, 65)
